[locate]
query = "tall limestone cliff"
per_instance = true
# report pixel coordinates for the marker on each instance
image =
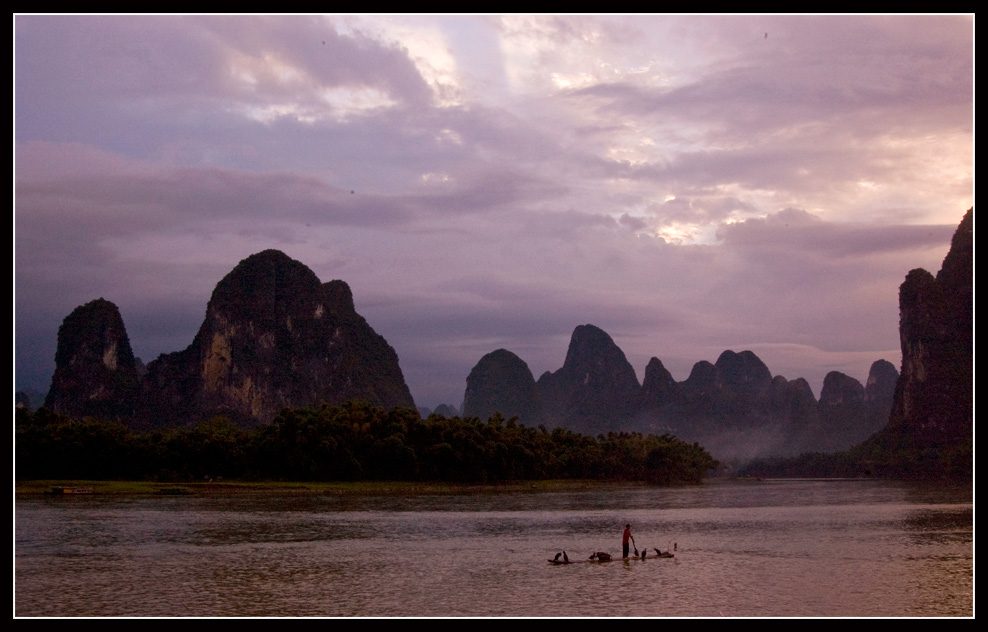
(934, 396)
(841, 389)
(274, 336)
(929, 429)
(595, 390)
(736, 388)
(95, 372)
(849, 412)
(795, 409)
(840, 415)
(880, 387)
(659, 388)
(737, 384)
(501, 383)
(730, 407)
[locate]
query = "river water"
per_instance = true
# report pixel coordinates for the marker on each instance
(785, 548)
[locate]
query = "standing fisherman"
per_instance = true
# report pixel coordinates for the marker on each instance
(624, 539)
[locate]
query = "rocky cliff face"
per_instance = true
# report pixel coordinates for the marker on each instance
(95, 373)
(659, 389)
(273, 337)
(841, 389)
(880, 387)
(501, 382)
(840, 420)
(792, 400)
(929, 432)
(596, 388)
(934, 396)
(738, 385)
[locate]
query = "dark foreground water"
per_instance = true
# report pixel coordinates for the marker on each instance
(758, 549)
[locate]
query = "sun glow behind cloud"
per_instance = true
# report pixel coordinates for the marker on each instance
(685, 167)
(428, 46)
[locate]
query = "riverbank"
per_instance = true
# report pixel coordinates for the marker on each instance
(362, 488)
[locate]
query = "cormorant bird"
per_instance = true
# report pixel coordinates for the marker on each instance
(644, 551)
(565, 558)
(556, 559)
(658, 552)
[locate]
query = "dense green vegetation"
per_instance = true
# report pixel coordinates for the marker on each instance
(351, 442)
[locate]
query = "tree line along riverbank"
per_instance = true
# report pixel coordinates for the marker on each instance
(351, 442)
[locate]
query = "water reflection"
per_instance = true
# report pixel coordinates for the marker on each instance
(792, 548)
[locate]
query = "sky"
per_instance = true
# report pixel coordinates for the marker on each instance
(689, 184)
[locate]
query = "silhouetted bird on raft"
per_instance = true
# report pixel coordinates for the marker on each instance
(565, 558)
(643, 553)
(657, 552)
(556, 559)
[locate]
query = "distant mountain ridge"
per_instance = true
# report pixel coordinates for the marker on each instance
(734, 407)
(273, 337)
